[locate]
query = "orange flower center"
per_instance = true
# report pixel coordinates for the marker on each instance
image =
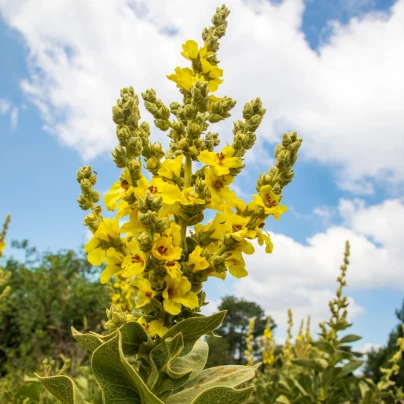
(162, 250)
(261, 225)
(220, 157)
(171, 293)
(149, 294)
(270, 202)
(125, 185)
(170, 263)
(218, 184)
(137, 258)
(153, 189)
(237, 227)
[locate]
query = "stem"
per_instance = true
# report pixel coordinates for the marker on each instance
(187, 183)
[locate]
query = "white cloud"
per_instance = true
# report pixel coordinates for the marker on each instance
(14, 117)
(4, 106)
(303, 277)
(346, 100)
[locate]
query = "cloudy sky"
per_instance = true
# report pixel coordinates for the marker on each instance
(330, 70)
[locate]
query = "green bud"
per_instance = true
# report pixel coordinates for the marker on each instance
(218, 262)
(152, 164)
(86, 186)
(135, 146)
(162, 124)
(260, 212)
(144, 126)
(117, 115)
(194, 130)
(95, 196)
(156, 281)
(164, 112)
(248, 111)
(179, 127)
(84, 172)
(237, 145)
(145, 241)
(161, 225)
(151, 107)
(119, 156)
(189, 111)
(254, 122)
(142, 206)
(157, 203)
(83, 202)
(123, 134)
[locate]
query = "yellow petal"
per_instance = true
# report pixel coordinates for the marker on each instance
(208, 158)
(96, 256)
(92, 244)
(109, 271)
(171, 307)
(189, 300)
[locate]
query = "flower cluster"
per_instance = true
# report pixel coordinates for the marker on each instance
(157, 238)
(267, 345)
(249, 352)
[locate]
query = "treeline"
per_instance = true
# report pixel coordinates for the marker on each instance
(50, 292)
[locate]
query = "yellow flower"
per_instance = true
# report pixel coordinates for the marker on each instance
(2, 247)
(145, 292)
(196, 261)
(184, 77)
(158, 187)
(107, 232)
(221, 162)
(155, 327)
(134, 225)
(177, 293)
(191, 50)
(214, 229)
(235, 261)
(188, 197)
(212, 71)
(218, 187)
(164, 249)
(173, 268)
(113, 259)
(269, 201)
(171, 168)
(119, 190)
(134, 263)
(237, 226)
(264, 238)
(213, 85)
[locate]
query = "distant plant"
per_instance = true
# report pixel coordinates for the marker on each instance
(322, 371)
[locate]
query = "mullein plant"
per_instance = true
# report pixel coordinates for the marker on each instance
(322, 371)
(157, 241)
(249, 340)
(4, 275)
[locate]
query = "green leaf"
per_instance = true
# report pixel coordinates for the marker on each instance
(349, 338)
(324, 346)
(117, 378)
(87, 341)
(63, 388)
(308, 364)
(195, 361)
(350, 367)
(223, 395)
(133, 334)
(193, 328)
(222, 376)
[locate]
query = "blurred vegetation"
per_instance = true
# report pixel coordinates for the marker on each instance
(47, 294)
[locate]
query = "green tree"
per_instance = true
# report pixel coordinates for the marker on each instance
(49, 293)
(379, 358)
(230, 348)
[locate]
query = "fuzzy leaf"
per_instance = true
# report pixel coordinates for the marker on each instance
(63, 388)
(87, 341)
(309, 364)
(133, 334)
(222, 376)
(324, 346)
(193, 328)
(223, 395)
(195, 361)
(117, 378)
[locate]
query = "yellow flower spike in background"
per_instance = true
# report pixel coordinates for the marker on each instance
(221, 162)
(178, 293)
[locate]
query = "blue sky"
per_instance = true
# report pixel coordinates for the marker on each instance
(341, 179)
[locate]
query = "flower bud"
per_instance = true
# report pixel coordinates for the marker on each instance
(134, 146)
(161, 225)
(162, 124)
(145, 240)
(123, 134)
(151, 107)
(86, 186)
(218, 262)
(248, 111)
(117, 115)
(156, 281)
(83, 202)
(164, 112)
(152, 163)
(95, 196)
(178, 126)
(119, 156)
(157, 203)
(84, 172)
(142, 206)
(189, 111)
